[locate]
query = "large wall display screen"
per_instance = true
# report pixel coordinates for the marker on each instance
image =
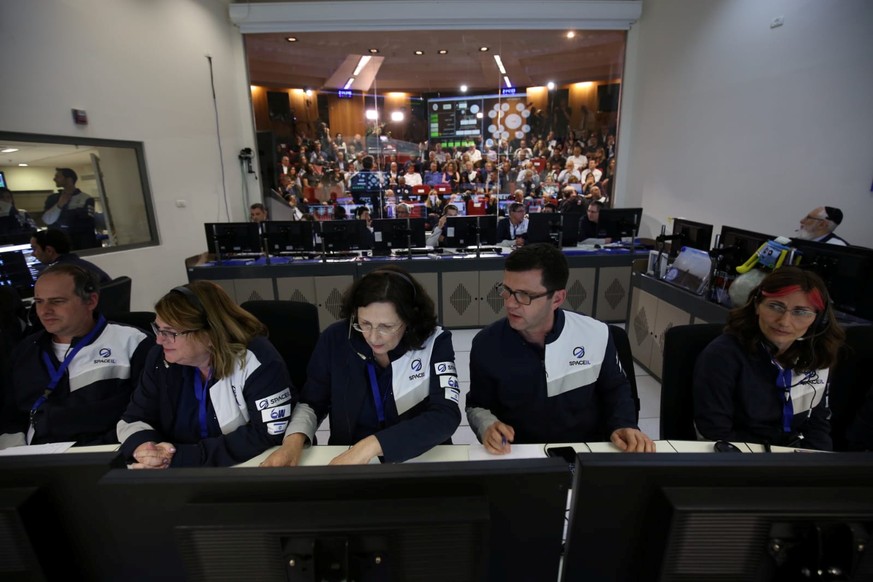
(463, 119)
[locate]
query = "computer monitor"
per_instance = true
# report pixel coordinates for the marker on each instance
(397, 233)
(3, 180)
(620, 223)
(847, 271)
(696, 235)
(342, 236)
(545, 227)
(48, 505)
(321, 212)
(720, 516)
(19, 269)
(233, 238)
(737, 245)
(460, 231)
(286, 237)
(498, 520)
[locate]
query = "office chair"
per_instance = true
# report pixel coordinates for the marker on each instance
(139, 319)
(115, 297)
(682, 345)
(293, 329)
(849, 381)
(622, 346)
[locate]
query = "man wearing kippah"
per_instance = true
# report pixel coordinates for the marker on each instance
(819, 225)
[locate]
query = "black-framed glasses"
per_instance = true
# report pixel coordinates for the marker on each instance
(522, 297)
(167, 335)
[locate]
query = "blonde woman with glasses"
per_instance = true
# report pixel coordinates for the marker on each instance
(385, 373)
(214, 391)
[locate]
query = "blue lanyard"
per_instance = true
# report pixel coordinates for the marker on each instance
(56, 374)
(200, 389)
(377, 396)
(783, 381)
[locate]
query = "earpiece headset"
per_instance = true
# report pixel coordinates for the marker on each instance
(194, 301)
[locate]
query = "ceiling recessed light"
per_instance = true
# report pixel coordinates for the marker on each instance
(374, 51)
(443, 51)
(550, 85)
(419, 53)
(8, 150)
(483, 49)
(463, 88)
(571, 34)
(291, 39)
(22, 165)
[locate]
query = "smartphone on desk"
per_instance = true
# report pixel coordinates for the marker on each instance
(566, 453)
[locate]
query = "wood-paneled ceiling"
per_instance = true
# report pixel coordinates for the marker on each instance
(531, 58)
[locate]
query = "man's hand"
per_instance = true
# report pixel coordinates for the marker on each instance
(288, 455)
(519, 242)
(442, 223)
(631, 440)
(153, 456)
(64, 199)
(360, 453)
(498, 437)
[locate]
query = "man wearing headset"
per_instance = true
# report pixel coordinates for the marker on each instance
(71, 381)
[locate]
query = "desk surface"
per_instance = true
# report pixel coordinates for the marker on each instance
(322, 454)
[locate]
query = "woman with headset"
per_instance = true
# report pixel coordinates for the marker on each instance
(214, 391)
(385, 373)
(765, 379)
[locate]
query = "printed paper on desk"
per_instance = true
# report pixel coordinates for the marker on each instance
(478, 453)
(46, 449)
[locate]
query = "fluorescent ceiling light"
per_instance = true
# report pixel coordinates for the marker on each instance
(9, 150)
(361, 64)
(22, 165)
(349, 82)
(507, 81)
(499, 62)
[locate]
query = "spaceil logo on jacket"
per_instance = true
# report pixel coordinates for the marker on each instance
(416, 367)
(105, 357)
(578, 354)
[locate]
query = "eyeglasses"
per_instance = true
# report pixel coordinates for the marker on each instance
(382, 329)
(169, 336)
(798, 313)
(522, 297)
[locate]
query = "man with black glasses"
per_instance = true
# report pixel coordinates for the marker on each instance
(545, 375)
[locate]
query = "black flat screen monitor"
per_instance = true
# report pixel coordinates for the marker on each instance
(342, 236)
(461, 231)
(620, 223)
(233, 238)
(720, 516)
(738, 244)
(500, 520)
(696, 235)
(545, 227)
(847, 271)
(49, 504)
(397, 233)
(288, 237)
(18, 269)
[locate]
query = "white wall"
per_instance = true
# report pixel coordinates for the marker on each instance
(140, 70)
(728, 121)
